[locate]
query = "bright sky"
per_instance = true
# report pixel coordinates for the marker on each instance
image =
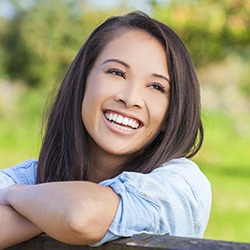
(5, 8)
(7, 11)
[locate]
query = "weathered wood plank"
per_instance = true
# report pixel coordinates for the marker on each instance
(138, 242)
(174, 243)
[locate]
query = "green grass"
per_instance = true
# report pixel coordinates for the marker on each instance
(20, 128)
(230, 213)
(224, 158)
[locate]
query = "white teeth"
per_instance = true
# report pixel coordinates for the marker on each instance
(130, 122)
(122, 127)
(119, 119)
(125, 121)
(134, 124)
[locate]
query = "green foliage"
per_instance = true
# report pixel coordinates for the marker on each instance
(211, 29)
(2, 50)
(20, 119)
(43, 39)
(36, 43)
(245, 81)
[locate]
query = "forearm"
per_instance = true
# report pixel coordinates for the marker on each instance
(15, 228)
(72, 212)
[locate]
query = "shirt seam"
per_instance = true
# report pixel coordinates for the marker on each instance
(193, 192)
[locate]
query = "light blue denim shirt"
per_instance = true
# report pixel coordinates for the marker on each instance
(174, 199)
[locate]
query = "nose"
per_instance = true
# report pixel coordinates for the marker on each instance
(130, 96)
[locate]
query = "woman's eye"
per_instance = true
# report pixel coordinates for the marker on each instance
(116, 72)
(158, 87)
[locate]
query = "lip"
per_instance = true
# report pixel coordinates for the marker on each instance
(117, 130)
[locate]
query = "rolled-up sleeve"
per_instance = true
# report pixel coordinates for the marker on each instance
(22, 173)
(173, 199)
(5, 181)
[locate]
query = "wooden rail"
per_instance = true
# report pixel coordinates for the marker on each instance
(139, 242)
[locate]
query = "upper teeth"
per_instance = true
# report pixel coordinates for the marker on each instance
(122, 120)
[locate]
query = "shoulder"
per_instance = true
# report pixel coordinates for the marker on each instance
(186, 171)
(22, 173)
(186, 175)
(174, 199)
(182, 167)
(178, 171)
(179, 165)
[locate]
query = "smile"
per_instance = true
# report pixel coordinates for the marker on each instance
(122, 122)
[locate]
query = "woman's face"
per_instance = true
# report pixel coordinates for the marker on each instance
(127, 96)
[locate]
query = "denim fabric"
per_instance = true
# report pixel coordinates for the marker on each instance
(174, 199)
(22, 173)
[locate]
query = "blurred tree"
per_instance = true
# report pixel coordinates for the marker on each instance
(211, 29)
(44, 37)
(2, 50)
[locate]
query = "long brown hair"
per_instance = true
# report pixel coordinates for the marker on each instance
(65, 152)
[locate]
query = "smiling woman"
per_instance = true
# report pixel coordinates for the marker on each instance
(124, 85)
(114, 160)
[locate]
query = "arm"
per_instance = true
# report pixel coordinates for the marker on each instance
(174, 199)
(72, 212)
(14, 227)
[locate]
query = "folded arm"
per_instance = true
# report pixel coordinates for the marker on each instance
(72, 212)
(15, 228)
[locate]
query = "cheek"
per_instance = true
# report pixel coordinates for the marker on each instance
(87, 104)
(96, 94)
(97, 88)
(158, 115)
(158, 109)
(92, 92)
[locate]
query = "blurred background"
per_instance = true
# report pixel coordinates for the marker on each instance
(39, 39)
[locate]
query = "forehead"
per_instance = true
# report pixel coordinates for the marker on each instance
(131, 37)
(131, 45)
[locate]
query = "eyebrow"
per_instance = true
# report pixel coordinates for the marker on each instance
(118, 61)
(127, 66)
(162, 77)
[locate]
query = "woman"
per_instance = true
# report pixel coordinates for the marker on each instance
(114, 157)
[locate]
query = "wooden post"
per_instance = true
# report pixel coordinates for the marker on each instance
(138, 242)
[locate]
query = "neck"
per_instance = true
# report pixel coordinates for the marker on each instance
(104, 166)
(102, 169)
